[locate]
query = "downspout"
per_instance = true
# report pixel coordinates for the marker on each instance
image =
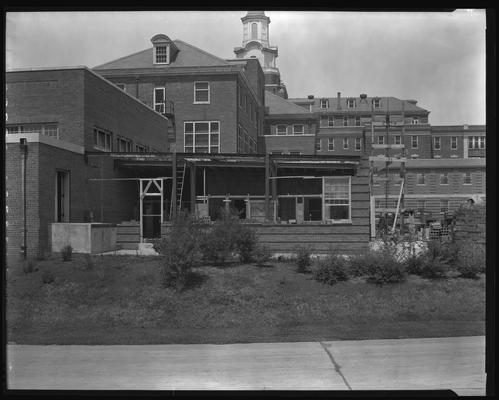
(24, 153)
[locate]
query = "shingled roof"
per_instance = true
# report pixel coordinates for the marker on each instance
(279, 106)
(187, 56)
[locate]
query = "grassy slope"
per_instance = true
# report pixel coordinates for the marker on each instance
(120, 301)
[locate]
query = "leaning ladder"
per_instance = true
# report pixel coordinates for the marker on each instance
(179, 189)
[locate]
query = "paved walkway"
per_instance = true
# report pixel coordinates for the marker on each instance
(431, 363)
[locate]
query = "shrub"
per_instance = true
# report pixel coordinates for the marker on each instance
(382, 268)
(331, 270)
(261, 255)
(66, 253)
(414, 264)
(246, 243)
(471, 261)
(303, 259)
(357, 264)
(48, 277)
(446, 252)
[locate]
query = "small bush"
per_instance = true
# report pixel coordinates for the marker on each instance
(303, 259)
(357, 264)
(261, 255)
(471, 261)
(246, 243)
(446, 252)
(331, 270)
(414, 264)
(47, 277)
(66, 253)
(89, 263)
(435, 268)
(382, 268)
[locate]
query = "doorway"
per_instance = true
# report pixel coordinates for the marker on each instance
(62, 196)
(287, 208)
(313, 209)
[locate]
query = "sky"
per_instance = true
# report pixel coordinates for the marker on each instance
(436, 58)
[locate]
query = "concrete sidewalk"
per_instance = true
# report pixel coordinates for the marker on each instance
(431, 363)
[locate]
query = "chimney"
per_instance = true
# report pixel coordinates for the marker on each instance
(338, 105)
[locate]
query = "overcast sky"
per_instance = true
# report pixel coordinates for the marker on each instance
(437, 59)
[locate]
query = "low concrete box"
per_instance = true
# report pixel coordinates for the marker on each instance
(89, 238)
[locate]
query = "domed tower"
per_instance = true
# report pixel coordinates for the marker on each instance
(256, 45)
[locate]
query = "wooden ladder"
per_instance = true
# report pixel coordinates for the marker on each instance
(179, 189)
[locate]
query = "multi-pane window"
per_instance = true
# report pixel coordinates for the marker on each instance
(298, 129)
(345, 143)
(330, 121)
(345, 121)
(201, 92)
(414, 142)
(295, 153)
(476, 142)
(436, 143)
(140, 148)
(397, 139)
(102, 140)
(444, 206)
(420, 178)
(357, 121)
(351, 103)
(324, 103)
(337, 198)
(317, 144)
(453, 143)
(467, 178)
(330, 144)
(415, 120)
(123, 144)
(358, 144)
(202, 137)
(444, 178)
(161, 54)
(381, 139)
(159, 100)
(377, 103)
(282, 129)
(44, 129)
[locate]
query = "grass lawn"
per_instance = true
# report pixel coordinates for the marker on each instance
(121, 301)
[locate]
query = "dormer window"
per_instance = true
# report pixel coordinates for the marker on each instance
(415, 120)
(324, 103)
(376, 103)
(351, 103)
(161, 54)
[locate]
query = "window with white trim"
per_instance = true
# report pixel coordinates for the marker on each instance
(415, 120)
(103, 140)
(161, 54)
(201, 92)
(159, 100)
(282, 129)
(330, 144)
(444, 178)
(397, 139)
(330, 120)
(453, 143)
(467, 178)
(49, 129)
(202, 137)
(381, 139)
(345, 121)
(351, 103)
(476, 142)
(295, 153)
(345, 143)
(414, 142)
(324, 103)
(298, 129)
(377, 103)
(358, 144)
(317, 144)
(420, 177)
(436, 143)
(337, 199)
(357, 121)
(123, 144)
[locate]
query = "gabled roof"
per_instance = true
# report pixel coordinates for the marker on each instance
(279, 106)
(187, 56)
(391, 104)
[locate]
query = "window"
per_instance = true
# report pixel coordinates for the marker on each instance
(295, 153)
(159, 100)
(62, 185)
(282, 129)
(415, 120)
(397, 139)
(444, 178)
(324, 103)
(381, 140)
(298, 129)
(467, 178)
(276, 152)
(436, 142)
(358, 144)
(161, 54)
(121, 86)
(337, 199)
(453, 143)
(330, 144)
(330, 120)
(444, 206)
(102, 140)
(49, 129)
(345, 121)
(414, 142)
(357, 121)
(202, 137)
(254, 30)
(351, 103)
(476, 142)
(140, 148)
(317, 144)
(324, 121)
(421, 178)
(345, 143)
(377, 103)
(123, 144)
(201, 92)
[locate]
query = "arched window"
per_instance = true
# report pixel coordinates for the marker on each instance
(254, 31)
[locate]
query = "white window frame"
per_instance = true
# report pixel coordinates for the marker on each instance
(324, 103)
(412, 141)
(442, 175)
(376, 103)
(397, 139)
(345, 142)
(44, 129)
(330, 120)
(163, 103)
(357, 121)
(318, 144)
(351, 103)
(330, 144)
(295, 132)
(418, 176)
(277, 129)
(358, 144)
(437, 141)
(126, 141)
(381, 139)
(325, 198)
(167, 55)
(295, 153)
(108, 141)
(415, 121)
(196, 90)
(209, 133)
(453, 143)
(476, 142)
(465, 175)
